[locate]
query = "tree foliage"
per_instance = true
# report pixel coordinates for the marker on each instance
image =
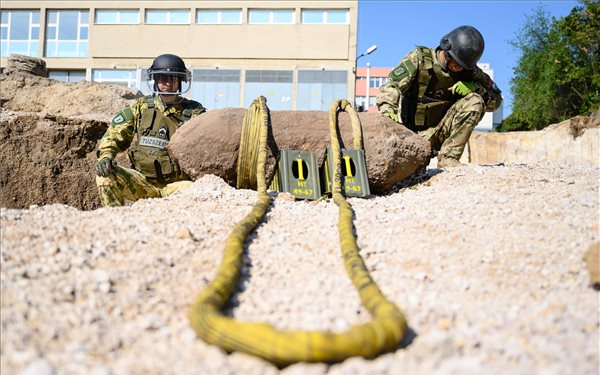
(557, 76)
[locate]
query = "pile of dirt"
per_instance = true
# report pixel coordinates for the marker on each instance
(49, 131)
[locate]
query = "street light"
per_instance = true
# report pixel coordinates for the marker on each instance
(369, 51)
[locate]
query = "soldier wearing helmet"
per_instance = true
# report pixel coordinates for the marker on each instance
(149, 123)
(441, 93)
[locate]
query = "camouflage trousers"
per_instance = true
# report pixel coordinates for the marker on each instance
(452, 133)
(130, 184)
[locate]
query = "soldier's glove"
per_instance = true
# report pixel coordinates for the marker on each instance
(105, 167)
(392, 115)
(462, 88)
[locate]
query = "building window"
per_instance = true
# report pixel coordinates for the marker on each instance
(325, 16)
(117, 16)
(167, 16)
(115, 77)
(360, 103)
(377, 82)
(67, 75)
(67, 33)
(216, 89)
(269, 16)
(275, 85)
(20, 32)
(219, 16)
(317, 89)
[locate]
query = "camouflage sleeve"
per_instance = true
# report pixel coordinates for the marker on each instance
(488, 90)
(198, 110)
(399, 80)
(119, 134)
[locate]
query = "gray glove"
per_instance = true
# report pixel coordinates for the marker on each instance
(105, 167)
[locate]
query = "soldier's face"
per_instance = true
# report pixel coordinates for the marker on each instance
(453, 66)
(167, 83)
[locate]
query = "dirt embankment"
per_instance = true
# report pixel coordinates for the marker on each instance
(49, 131)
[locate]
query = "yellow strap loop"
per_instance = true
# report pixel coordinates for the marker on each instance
(282, 348)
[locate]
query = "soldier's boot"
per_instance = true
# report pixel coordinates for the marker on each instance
(445, 162)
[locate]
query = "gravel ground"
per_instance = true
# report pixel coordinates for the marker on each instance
(486, 262)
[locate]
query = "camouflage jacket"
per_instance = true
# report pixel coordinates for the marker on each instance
(150, 125)
(125, 125)
(420, 83)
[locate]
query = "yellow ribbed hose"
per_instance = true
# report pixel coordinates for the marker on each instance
(282, 348)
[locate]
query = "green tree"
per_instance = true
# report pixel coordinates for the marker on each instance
(557, 76)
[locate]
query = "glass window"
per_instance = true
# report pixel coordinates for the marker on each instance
(360, 103)
(312, 16)
(337, 16)
(119, 77)
(19, 32)
(275, 85)
(283, 16)
(231, 16)
(376, 82)
(117, 16)
(167, 16)
(216, 89)
(68, 21)
(219, 16)
(317, 89)
(67, 33)
(331, 16)
(180, 16)
(67, 75)
(207, 16)
(129, 16)
(19, 26)
(264, 16)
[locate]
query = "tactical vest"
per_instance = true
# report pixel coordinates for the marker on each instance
(149, 154)
(428, 99)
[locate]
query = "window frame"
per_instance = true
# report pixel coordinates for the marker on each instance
(271, 16)
(117, 20)
(32, 43)
(81, 44)
(325, 16)
(219, 20)
(168, 16)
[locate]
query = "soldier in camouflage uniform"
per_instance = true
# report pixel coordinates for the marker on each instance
(441, 93)
(151, 121)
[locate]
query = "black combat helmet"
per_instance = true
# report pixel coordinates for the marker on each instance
(169, 65)
(465, 45)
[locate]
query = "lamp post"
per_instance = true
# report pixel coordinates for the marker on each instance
(369, 51)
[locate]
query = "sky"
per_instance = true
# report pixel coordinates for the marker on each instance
(397, 26)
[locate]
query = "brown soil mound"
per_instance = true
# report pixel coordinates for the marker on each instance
(49, 131)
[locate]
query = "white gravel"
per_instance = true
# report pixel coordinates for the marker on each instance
(486, 262)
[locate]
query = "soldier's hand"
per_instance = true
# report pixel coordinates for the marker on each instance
(392, 115)
(105, 167)
(462, 88)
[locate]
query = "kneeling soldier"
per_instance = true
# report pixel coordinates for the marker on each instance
(153, 120)
(441, 93)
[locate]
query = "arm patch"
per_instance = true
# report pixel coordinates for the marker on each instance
(124, 116)
(405, 69)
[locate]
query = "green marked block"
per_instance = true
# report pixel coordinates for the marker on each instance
(355, 182)
(297, 173)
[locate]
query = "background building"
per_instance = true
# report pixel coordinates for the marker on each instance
(370, 79)
(298, 54)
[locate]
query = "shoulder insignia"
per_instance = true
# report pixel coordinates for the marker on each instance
(119, 119)
(405, 69)
(123, 116)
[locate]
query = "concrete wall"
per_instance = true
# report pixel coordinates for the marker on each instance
(574, 141)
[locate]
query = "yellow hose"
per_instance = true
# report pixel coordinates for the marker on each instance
(282, 348)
